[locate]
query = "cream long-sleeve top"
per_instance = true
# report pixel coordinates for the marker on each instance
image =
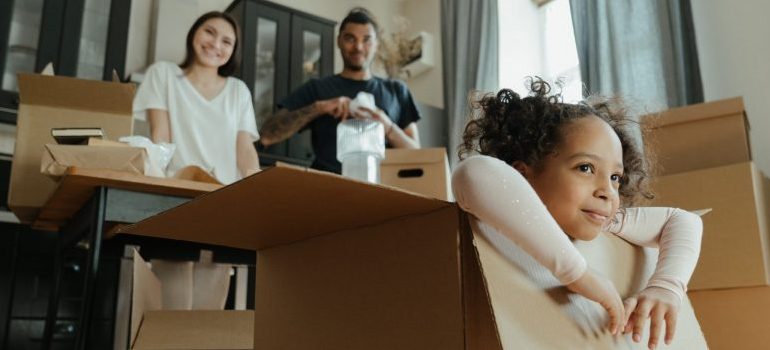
(501, 200)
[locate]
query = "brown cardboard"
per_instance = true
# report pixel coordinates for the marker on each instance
(154, 325)
(735, 249)
(57, 158)
(699, 136)
(145, 294)
(734, 318)
(176, 283)
(424, 171)
(54, 102)
(348, 265)
(192, 330)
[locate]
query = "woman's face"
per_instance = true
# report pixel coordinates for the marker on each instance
(579, 183)
(214, 42)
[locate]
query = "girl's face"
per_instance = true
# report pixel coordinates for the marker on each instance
(213, 43)
(579, 182)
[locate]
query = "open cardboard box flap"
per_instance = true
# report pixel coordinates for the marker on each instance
(283, 205)
(348, 265)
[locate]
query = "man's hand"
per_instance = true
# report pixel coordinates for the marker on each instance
(597, 288)
(338, 107)
(376, 115)
(659, 305)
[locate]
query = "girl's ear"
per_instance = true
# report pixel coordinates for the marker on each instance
(522, 168)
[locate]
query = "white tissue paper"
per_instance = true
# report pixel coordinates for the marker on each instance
(158, 154)
(363, 99)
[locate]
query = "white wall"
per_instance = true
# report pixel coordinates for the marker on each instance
(734, 53)
(425, 15)
(521, 43)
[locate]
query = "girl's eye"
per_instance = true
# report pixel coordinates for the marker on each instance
(615, 177)
(585, 168)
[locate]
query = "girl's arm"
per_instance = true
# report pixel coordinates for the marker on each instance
(246, 155)
(497, 194)
(675, 232)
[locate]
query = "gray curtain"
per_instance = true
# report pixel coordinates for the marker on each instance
(643, 51)
(469, 50)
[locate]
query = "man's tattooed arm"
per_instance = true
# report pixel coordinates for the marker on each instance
(286, 123)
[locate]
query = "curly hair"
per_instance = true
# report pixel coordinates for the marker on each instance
(529, 129)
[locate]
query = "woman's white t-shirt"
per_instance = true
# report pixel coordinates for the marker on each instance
(204, 131)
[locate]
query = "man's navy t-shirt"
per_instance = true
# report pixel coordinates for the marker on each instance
(392, 96)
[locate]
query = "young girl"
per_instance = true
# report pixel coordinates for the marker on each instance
(547, 173)
(199, 107)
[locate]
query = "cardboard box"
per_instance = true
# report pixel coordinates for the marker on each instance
(734, 318)
(343, 264)
(424, 171)
(59, 102)
(699, 136)
(57, 158)
(152, 327)
(735, 249)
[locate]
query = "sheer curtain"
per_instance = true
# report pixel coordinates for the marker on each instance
(643, 51)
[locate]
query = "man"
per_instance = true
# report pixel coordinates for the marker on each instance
(320, 104)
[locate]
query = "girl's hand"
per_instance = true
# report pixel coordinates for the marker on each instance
(658, 304)
(599, 289)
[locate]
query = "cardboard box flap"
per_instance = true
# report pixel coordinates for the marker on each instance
(285, 205)
(65, 92)
(146, 293)
(511, 295)
(199, 329)
(559, 318)
(411, 156)
(699, 111)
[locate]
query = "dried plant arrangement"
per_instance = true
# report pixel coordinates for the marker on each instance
(398, 49)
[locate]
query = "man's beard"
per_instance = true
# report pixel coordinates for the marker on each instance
(353, 67)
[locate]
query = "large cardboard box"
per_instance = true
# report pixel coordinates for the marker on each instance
(343, 264)
(734, 318)
(424, 171)
(59, 102)
(699, 136)
(735, 249)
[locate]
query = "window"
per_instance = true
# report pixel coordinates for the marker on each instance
(538, 41)
(559, 50)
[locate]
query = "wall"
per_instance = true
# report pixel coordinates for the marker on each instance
(425, 15)
(733, 49)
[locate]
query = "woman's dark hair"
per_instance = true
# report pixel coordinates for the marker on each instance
(529, 129)
(360, 15)
(234, 62)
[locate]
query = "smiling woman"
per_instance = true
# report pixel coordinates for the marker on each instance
(200, 107)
